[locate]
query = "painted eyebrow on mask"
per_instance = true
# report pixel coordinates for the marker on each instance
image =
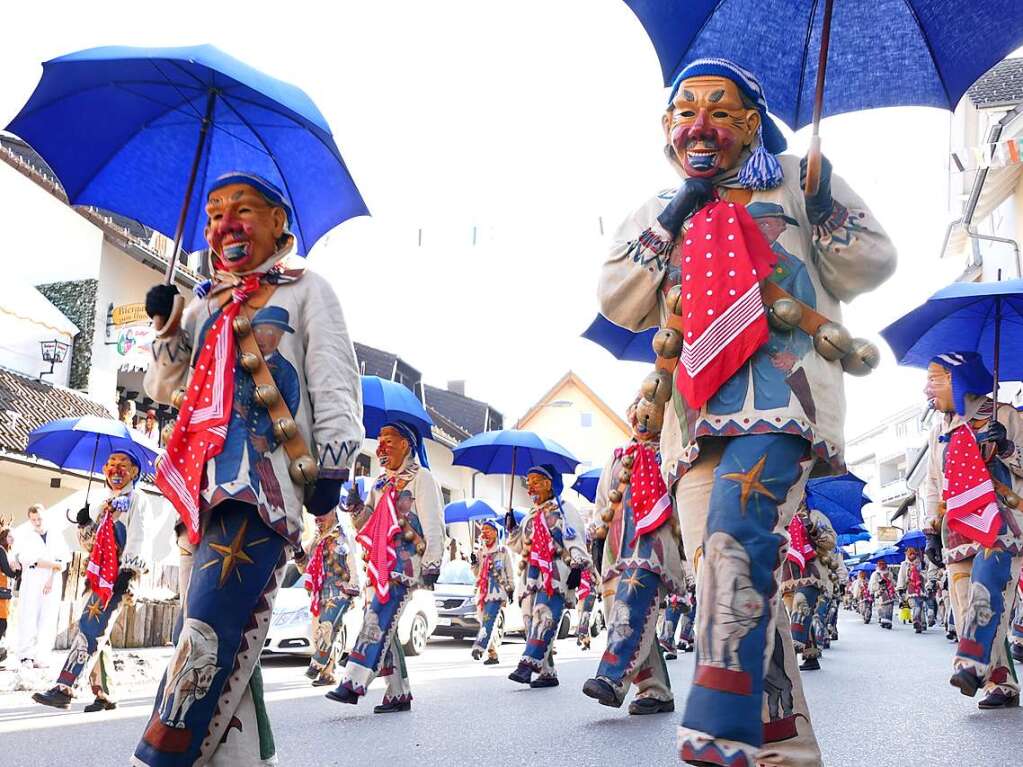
(688, 95)
(716, 96)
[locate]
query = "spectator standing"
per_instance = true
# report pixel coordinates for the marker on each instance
(43, 556)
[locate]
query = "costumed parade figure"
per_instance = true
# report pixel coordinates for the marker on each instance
(678, 617)
(1016, 635)
(911, 585)
(586, 599)
(552, 545)
(806, 581)
(687, 623)
(933, 577)
(495, 587)
(862, 596)
(114, 541)
(641, 564)
(973, 480)
(751, 410)
(333, 582)
(401, 530)
(263, 373)
(882, 589)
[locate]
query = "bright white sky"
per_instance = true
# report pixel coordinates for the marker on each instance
(530, 120)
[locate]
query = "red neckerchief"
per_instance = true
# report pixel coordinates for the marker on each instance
(101, 571)
(541, 554)
(201, 428)
(315, 570)
(651, 504)
(377, 538)
(724, 259)
(585, 586)
(916, 581)
(800, 549)
(969, 494)
(483, 582)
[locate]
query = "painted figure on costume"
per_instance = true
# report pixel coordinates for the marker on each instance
(746, 417)
(641, 565)
(552, 545)
(974, 476)
(332, 578)
(678, 617)
(495, 587)
(806, 583)
(912, 585)
(882, 589)
(114, 541)
(400, 528)
(263, 373)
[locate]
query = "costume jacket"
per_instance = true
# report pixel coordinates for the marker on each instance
(566, 528)
(500, 573)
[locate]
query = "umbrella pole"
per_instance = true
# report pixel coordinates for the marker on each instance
(169, 325)
(813, 156)
(998, 338)
(511, 480)
(92, 471)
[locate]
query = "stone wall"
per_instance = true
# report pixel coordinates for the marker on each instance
(77, 300)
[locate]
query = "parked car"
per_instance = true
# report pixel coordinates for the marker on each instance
(291, 622)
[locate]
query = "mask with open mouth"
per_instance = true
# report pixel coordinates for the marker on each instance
(242, 227)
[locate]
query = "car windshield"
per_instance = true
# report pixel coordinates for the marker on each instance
(456, 573)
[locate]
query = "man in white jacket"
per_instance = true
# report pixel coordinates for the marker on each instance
(43, 556)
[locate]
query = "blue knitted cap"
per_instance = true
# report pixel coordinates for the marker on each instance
(969, 376)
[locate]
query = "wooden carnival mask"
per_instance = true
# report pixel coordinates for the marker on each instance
(708, 125)
(939, 388)
(539, 488)
(243, 228)
(489, 535)
(120, 471)
(392, 448)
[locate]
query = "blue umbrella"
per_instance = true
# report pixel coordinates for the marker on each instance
(621, 342)
(890, 554)
(586, 484)
(840, 499)
(465, 511)
(384, 401)
(847, 539)
(867, 567)
(118, 126)
(914, 538)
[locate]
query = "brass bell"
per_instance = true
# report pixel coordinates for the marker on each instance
(864, 358)
(650, 415)
(832, 341)
(656, 387)
(303, 470)
(600, 533)
(608, 516)
(178, 398)
(242, 326)
(267, 395)
(249, 361)
(674, 300)
(527, 541)
(420, 548)
(668, 343)
(522, 564)
(615, 496)
(166, 432)
(1011, 499)
(409, 535)
(628, 459)
(785, 314)
(285, 429)
(625, 476)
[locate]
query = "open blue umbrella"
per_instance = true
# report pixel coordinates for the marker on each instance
(621, 342)
(586, 484)
(890, 554)
(914, 538)
(847, 539)
(867, 567)
(466, 511)
(384, 401)
(840, 499)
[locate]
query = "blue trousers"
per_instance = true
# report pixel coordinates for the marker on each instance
(377, 650)
(672, 615)
(542, 616)
(486, 639)
(802, 621)
(633, 654)
(94, 627)
(325, 630)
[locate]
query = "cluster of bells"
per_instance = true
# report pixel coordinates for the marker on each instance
(832, 340)
(615, 495)
(303, 469)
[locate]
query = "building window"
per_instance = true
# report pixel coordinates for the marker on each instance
(362, 465)
(586, 420)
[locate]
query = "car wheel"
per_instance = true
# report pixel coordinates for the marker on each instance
(417, 636)
(565, 627)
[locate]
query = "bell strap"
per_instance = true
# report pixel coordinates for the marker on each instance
(810, 321)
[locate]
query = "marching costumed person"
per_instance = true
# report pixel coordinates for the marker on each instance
(749, 410)
(114, 541)
(333, 582)
(552, 545)
(806, 581)
(495, 587)
(972, 491)
(862, 596)
(401, 530)
(586, 598)
(675, 606)
(912, 586)
(687, 623)
(263, 373)
(1016, 635)
(882, 589)
(641, 565)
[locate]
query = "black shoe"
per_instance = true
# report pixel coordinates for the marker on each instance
(343, 659)
(544, 681)
(100, 705)
(810, 664)
(322, 681)
(642, 706)
(54, 697)
(670, 656)
(967, 682)
(491, 661)
(522, 674)
(602, 692)
(393, 707)
(1017, 652)
(312, 673)
(999, 700)
(477, 653)
(685, 647)
(952, 636)
(343, 695)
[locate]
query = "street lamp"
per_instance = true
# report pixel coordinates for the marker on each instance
(53, 352)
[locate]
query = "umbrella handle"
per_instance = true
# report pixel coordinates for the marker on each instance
(165, 326)
(813, 167)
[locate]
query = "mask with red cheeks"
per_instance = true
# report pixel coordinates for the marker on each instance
(539, 488)
(489, 536)
(707, 126)
(119, 471)
(242, 228)
(392, 448)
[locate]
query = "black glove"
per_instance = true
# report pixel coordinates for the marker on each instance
(429, 578)
(690, 197)
(123, 581)
(83, 517)
(509, 521)
(597, 554)
(160, 300)
(473, 559)
(324, 496)
(995, 433)
(820, 204)
(932, 549)
(575, 576)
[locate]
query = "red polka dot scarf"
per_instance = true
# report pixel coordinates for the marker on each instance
(970, 501)
(651, 504)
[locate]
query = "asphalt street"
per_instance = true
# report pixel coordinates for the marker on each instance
(882, 698)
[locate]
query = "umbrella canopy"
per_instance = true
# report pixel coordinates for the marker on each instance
(85, 443)
(847, 539)
(867, 567)
(120, 126)
(621, 342)
(914, 538)
(930, 53)
(962, 318)
(384, 401)
(840, 499)
(474, 508)
(512, 451)
(586, 484)
(890, 554)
